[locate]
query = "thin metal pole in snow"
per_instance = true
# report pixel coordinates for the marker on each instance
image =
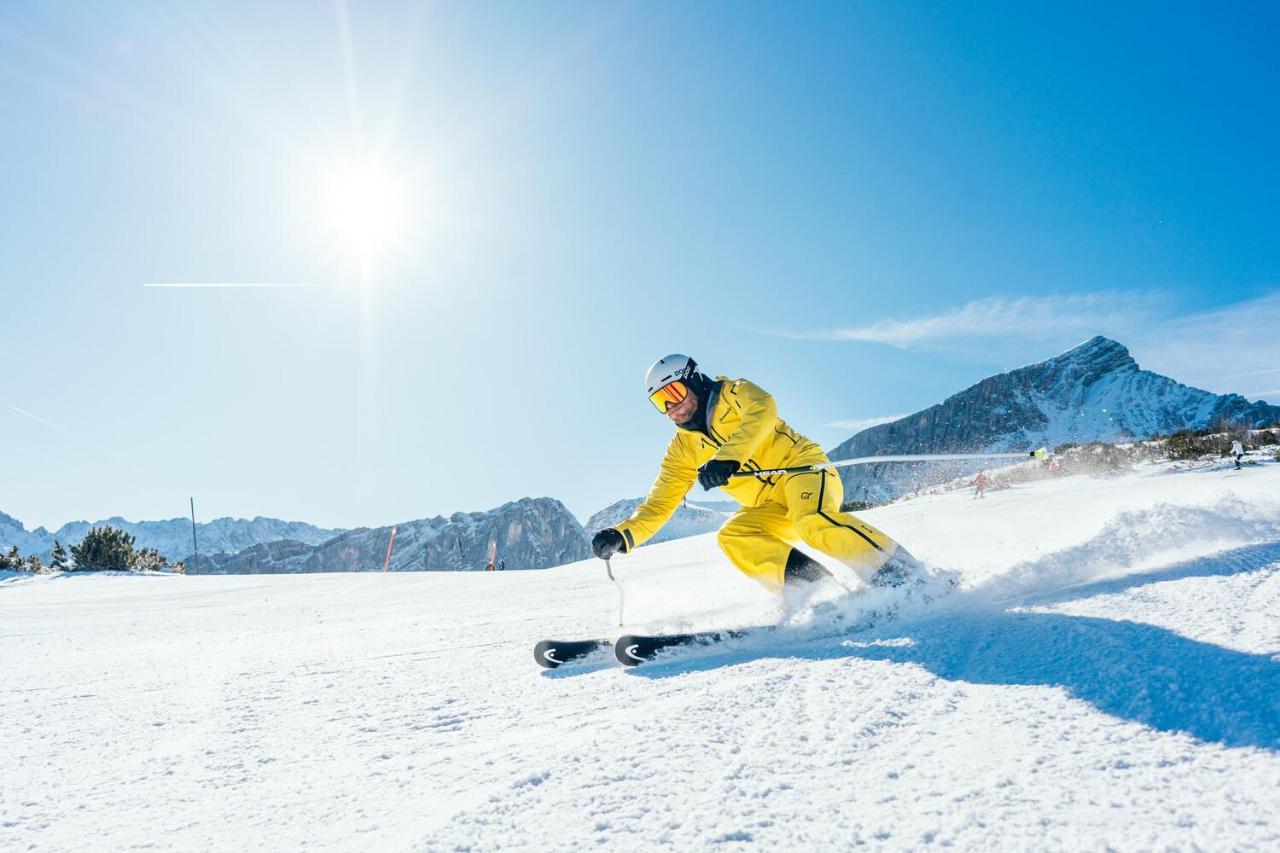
(195, 548)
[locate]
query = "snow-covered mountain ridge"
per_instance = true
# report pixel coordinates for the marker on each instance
(528, 533)
(1094, 392)
(531, 533)
(171, 537)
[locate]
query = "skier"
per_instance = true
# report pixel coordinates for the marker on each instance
(724, 426)
(502, 564)
(980, 486)
(1237, 450)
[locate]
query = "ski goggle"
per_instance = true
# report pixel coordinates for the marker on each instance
(671, 394)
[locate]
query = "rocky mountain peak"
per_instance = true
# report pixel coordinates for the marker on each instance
(1092, 392)
(1094, 358)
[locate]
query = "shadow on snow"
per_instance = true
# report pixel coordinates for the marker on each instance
(1129, 670)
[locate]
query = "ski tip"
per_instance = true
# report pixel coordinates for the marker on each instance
(550, 654)
(545, 654)
(627, 651)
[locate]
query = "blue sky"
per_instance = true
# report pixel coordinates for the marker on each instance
(862, 207)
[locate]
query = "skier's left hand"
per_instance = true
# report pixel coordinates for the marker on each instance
(716, 473)
(606, 543)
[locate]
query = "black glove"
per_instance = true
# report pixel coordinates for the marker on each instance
(716, 473)
(606, 543)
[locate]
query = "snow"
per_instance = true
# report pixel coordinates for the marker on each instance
(1106, 676)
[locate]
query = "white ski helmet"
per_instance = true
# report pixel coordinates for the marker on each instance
(667, 370)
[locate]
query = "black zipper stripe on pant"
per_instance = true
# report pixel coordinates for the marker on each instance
(822, 488)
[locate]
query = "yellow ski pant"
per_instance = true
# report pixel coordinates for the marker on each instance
(803, 507)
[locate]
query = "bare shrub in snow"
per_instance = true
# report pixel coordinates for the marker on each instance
(1192, 444)
(150, 560)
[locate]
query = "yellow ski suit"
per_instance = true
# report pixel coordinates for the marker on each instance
(742, 425)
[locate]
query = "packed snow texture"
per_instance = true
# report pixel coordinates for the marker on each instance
(1107, 675)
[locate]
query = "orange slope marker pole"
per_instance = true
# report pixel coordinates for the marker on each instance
(390, 542)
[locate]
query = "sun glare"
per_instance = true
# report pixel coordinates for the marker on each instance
(364, 207)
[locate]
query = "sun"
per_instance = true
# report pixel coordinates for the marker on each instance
(364, 207)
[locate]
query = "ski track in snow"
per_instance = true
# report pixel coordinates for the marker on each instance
(1106, 676)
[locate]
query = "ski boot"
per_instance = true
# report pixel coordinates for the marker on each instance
(899, 569)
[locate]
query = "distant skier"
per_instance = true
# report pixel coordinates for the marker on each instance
(1237, 450)
(728, 425)
(488, 567)
(502, 564)
(980, 486)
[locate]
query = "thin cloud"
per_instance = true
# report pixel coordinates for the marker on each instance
(1230, 349)
(17, 449)
(39, 419)
(1025, 317)
(1266, 372)
(859, 424)
(185, 284)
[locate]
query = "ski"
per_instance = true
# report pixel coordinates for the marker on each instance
(553, 653)
(635, 649)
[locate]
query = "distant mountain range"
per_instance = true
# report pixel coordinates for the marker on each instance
(171, 537)
(531, 533)
(1094, 392)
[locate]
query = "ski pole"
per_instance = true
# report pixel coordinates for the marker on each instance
(871, 460)
(622, 596)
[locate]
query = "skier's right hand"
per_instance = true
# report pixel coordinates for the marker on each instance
(606, 543)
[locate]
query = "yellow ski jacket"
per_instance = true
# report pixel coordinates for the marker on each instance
(743, 426)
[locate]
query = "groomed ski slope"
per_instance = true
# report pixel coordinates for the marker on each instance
(1108, 676)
